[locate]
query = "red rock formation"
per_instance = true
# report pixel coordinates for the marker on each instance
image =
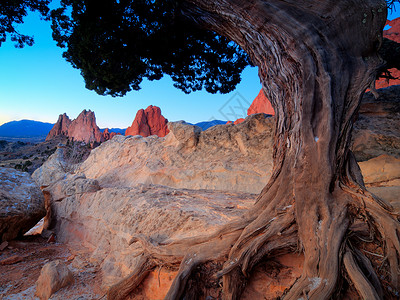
(261, 105)
(107, 135)
(240, 120)
(392, 33)
(61, 127)
(148, 122)
(84, 128)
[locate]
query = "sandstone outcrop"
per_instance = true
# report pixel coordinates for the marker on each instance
(83, 128)
(21, 205)
(376, 131)
(53, 276)
(382, 178)
(52, 170)
(224, 157)
(261, 104)
(107, 135)
(60, 128)
(148, 122)
(106, 219)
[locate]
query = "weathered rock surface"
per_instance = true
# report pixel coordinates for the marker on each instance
(148, 122)
(224, 157)
(53, 276)
(376, 131)
(21, 203)
(382, 178)
(104, 220)
(60, 128)
(261, 104)
(53, 169)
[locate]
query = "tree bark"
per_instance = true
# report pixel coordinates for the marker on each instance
(315, 60)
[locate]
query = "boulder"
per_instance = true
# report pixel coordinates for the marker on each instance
(60, 128)
(148, 122)
(54, 276)
(21, 203)
(105, 220)
(224, 157)
(53, 169)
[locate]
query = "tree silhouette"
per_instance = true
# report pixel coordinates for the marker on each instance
(315, 59)
(12, 13)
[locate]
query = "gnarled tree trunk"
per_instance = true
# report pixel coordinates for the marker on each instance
(315, 59)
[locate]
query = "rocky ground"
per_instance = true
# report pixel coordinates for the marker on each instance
(27, 156)
(21, 262)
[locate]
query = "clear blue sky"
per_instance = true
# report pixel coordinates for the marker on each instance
(36, 83)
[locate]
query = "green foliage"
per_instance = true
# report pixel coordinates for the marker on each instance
(116, 44)
(12, 13)
(391, 3)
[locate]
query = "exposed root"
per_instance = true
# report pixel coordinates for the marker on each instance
(380, 216)
(275, 231)
(122, 289)
(361, 283)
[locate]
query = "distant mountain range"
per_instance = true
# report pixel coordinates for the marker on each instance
(207, 124)
(35, 131)
(32, 131)
(25, 128)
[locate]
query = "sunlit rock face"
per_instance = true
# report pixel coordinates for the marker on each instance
(60, 128)
(224, 157)
(83, 128)
(148, 122)
(261, 104)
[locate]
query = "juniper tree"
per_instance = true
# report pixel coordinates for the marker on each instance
(315, 60)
